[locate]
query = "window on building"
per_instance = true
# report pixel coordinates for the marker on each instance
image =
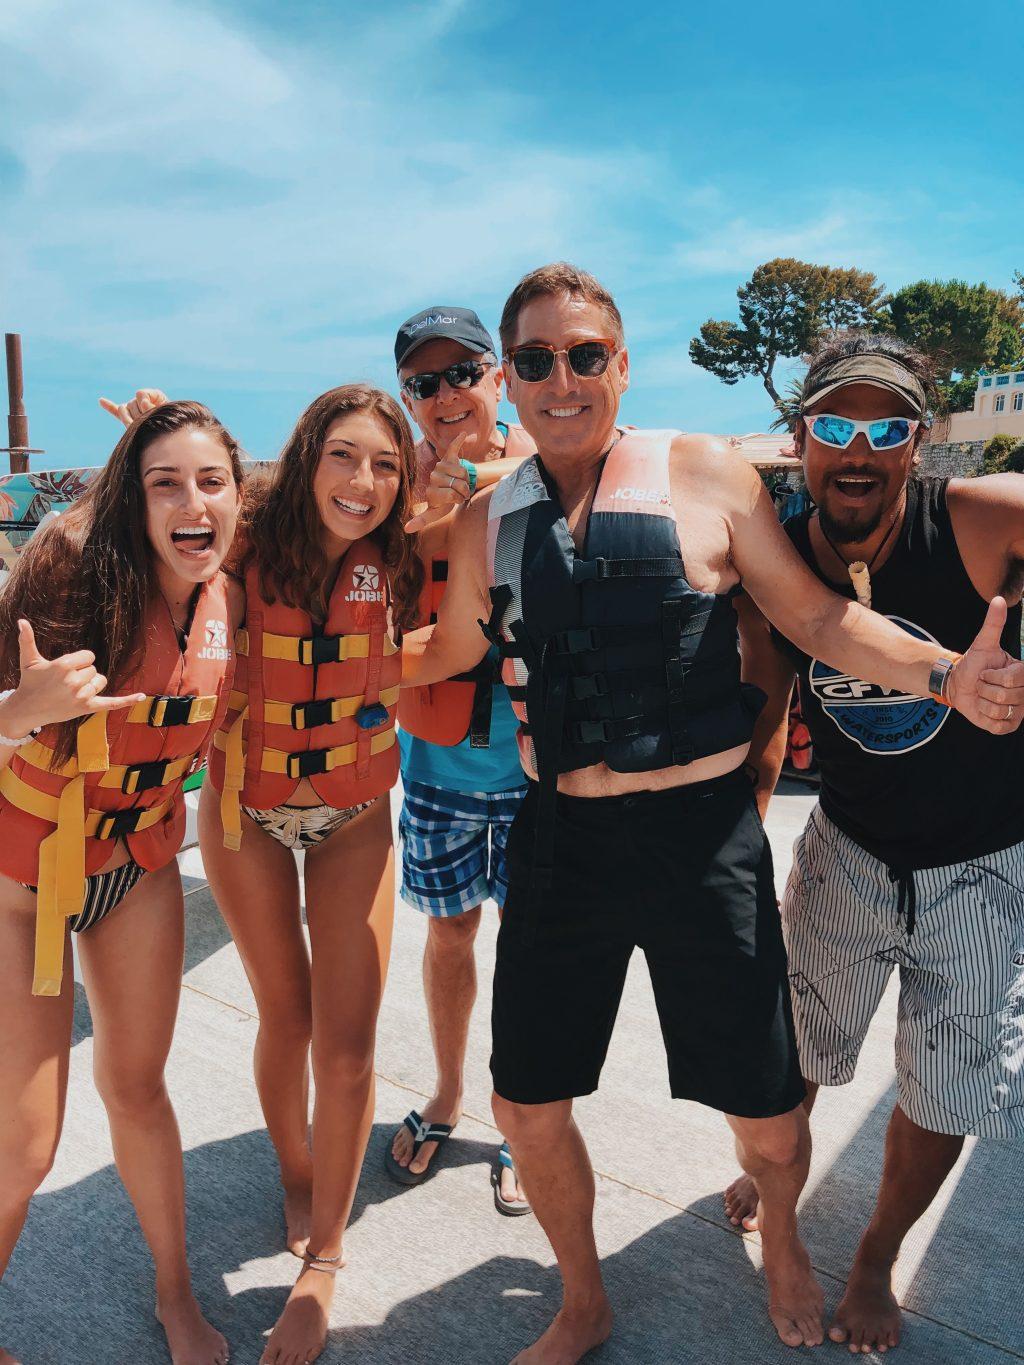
(1018, 402)
(1002, 379)
(986, 383)
(1000, 402)
(1018, 378)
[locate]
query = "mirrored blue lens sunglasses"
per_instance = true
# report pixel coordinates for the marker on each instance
(884, 433)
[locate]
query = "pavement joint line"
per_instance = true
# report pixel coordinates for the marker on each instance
(659, 1198)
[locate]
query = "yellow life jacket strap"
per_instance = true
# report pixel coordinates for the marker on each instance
(130, 778)
(303, 715)
(313, 649)
(312, 762)
(93, 755)
(234, 776)
(61, 884)
(163, 712)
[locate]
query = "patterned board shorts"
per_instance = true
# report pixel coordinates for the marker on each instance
(453, 847)
(303, 826)
(956, 933)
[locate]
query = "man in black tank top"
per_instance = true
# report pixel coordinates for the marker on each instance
(914, 856)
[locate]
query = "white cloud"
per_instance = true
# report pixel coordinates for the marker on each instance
(266, 198)
(736, 246)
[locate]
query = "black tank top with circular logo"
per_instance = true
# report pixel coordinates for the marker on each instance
(914, 783)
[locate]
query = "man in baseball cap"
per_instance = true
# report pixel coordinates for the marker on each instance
(460, 767)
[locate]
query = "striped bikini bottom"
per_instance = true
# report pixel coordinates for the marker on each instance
(303, 826)
(104, 892)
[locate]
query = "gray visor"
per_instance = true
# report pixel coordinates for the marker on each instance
(882, 371)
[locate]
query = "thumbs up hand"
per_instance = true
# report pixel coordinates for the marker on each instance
(447, 487)
(987, 685)
(55, 690)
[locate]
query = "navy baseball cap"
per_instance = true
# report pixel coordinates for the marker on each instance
(457, 324)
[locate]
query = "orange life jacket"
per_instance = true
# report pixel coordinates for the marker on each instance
(125, 780)
(799, 745)
(446, 712)
(311, 701)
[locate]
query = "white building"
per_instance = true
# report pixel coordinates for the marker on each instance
(998, 408)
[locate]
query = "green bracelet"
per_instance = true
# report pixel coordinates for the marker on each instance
(470, 475)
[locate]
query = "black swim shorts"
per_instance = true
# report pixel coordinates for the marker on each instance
(686, 876)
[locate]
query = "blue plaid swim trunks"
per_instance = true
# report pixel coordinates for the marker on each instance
(453, 847)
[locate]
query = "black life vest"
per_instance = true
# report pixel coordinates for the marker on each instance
(609, 654)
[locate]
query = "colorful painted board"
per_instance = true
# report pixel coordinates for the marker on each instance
(26, 498)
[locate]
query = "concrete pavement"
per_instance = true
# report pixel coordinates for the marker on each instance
(434, 1274)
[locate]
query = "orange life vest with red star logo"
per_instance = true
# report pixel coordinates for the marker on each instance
(312, 700)
(126, 779)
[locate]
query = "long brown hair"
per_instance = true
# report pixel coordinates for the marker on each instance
(283, 532)
(85, 580)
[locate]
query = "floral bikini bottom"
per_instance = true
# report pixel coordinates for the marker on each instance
(303, 826)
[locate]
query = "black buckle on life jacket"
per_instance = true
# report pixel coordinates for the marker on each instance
(119, 823)
(584, 570)
(306, 714)
(310, 763)
(604, 731)
(140, 777)
(167, 711)
(576, 641)
(319, 649)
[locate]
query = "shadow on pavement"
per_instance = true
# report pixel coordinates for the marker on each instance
(80, 1286)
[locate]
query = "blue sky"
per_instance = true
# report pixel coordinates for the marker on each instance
(239, 202)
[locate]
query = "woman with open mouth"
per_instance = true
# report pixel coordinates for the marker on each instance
(305, 759)
(115, 657)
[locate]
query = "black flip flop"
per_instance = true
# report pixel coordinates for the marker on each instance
(421, 1133)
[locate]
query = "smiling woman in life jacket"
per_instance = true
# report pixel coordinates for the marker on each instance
(122, 593)
(305, 759)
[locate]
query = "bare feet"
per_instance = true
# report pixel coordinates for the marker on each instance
(300, 1333)
(869, 1317)
(795, 1300)
(298, 1215)
(572, 1334)
(190, 1338)
(741, 1203)
(435, 1112)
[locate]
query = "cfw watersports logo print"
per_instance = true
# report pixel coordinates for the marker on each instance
(877, 719)
(365, 585)
(215, 634)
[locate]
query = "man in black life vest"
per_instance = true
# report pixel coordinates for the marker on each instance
(913, 858)
(605, 569)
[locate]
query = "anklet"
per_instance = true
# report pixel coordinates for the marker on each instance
(327, 1265)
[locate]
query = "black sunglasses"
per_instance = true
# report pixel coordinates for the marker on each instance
(533, 363)
(466, 374)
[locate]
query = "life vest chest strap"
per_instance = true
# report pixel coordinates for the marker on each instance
(164, 712)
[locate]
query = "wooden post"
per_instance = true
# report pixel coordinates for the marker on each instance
(17, 419)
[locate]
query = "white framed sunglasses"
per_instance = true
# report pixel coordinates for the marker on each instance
(884, 433)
